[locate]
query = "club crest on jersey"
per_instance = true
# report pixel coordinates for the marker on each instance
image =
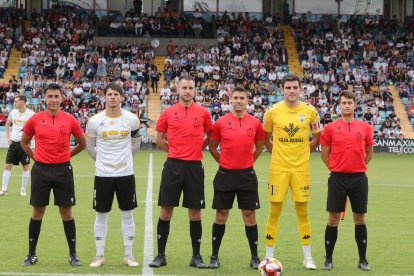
(125, 122)
(250, 132)
(301, 118)
(63, 130)
(358, 136)
(197, 122)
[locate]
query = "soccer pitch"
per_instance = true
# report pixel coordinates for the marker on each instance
(390, 223)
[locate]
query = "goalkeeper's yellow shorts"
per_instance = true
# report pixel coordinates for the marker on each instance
(280, 181)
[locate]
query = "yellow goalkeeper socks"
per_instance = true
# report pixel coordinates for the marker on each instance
(303, 222)
(272, 225)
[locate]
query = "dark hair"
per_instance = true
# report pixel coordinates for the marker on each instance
(240, 89)
(347, 94)
(290, 77)
(115, 87)
(22, 98)
(52, 86)
(187, 78)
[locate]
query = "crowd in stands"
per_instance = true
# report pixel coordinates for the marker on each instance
(249, 53)
(364, 54)
(11, 21)
(162, 23)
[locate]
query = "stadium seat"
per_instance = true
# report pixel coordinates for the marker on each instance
(34, 101)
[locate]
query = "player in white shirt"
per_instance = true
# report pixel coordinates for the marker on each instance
(112, 139)
(15, 155)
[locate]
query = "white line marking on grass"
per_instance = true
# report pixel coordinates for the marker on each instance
(148, 237)
(68, 274)
(60, 274)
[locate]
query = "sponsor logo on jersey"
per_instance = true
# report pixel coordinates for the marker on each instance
(291, 130)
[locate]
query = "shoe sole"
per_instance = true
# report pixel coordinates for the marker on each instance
(156, 266)
(131, 265)
(200, 267)
(363, 269)
(92, 265)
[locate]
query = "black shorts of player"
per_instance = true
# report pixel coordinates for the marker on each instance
(104, 189)
(182, 176)
(343, 185)
(16, 155)
(231, 183)
(56, 177)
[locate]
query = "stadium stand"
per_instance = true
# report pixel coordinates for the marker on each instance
(329, 53)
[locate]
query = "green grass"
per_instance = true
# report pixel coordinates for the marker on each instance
(390, 224)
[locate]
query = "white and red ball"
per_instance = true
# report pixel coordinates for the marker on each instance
(270, 267)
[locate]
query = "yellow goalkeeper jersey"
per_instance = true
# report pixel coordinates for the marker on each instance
(290, 128)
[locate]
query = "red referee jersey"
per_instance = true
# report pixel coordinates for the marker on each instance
(347, 142)
(52, 136)
(185, 128)
(237, 137)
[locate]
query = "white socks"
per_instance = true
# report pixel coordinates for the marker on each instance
(100, 229)
(306, 251)
(6, 179)
(128, 231)
(25, 179)
(270, 250)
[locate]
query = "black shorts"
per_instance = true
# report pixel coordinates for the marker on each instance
(343, 185)
(16, 155)
(182, 176)
(58, 177)
(104, 189)
(229, 183)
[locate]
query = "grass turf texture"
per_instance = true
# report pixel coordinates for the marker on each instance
(389, 220)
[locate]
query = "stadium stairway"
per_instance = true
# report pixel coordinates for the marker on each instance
(399, 107)
(154, 102)
(13, 66)
(27, 24)
(293, 57)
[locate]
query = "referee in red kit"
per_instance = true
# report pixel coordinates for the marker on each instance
(183, 131)
(241, 138)
(347, 147)
(52, 170)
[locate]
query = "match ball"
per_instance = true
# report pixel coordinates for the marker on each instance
(270, 267)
